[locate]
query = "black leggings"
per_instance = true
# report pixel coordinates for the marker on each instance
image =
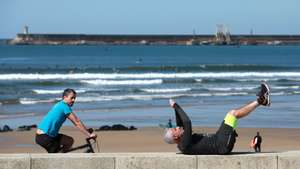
(51, 144)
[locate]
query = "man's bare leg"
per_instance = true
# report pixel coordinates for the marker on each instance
(245, 110)
(263, 98)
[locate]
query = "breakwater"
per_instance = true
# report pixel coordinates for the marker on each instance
(284, 160)
(84, 39)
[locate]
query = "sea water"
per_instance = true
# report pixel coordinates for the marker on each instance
(131, 85)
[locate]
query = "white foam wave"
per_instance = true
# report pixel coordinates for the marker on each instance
(201, 95)
(141, 97)
(230, 94)
(285, 87)
(154, 96)
(16, 115)
(256, 79)
(273, 78)
(278, 93)
(37, 76)
(127, 97)
(35, 101)
(166, 90)
(123, 82)
(218, 94)
(231, 88)
(40, 91)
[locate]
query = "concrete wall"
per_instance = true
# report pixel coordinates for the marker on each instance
(285, 160)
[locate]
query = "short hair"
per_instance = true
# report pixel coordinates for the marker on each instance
(168, 137)
(67, 92)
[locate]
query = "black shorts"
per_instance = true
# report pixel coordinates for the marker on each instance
(225, 138)
(51, 144)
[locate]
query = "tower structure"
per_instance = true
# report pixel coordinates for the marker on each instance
(25, 30)
(222, 35)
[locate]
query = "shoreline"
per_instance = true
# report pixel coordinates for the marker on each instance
(149, 139)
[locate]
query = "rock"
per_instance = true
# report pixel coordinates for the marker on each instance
(23, 128)
(103, 128)
(132, 128)
(26, 128)
(106, 127)
(119, 127)
(6, 128)
(33, 126)
(115, 127)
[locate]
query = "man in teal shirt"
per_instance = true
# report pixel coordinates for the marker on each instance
(47, 134)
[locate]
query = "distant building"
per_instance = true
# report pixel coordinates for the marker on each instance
(25, 31)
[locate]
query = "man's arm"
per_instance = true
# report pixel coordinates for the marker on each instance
(184, 121)
(77, 122)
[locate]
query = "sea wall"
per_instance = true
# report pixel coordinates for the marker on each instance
(284, 160)
(83, 39)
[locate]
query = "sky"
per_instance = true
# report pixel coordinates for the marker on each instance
(149, 16)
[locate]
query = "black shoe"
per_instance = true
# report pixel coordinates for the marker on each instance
(264, 95)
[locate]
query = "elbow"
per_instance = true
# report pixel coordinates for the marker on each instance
(184, 149)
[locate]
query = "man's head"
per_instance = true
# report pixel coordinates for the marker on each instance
(173, 135)
(69, 96)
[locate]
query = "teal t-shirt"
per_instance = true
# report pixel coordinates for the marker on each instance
(54, 119)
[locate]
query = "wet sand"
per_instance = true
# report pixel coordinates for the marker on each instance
(149, 139)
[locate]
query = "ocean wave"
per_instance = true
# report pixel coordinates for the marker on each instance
(149, 75)
(278, 93)
(127, 97)
(288, 79)
(285, 87)
(16, 115)
(14, 59)
(35, 101)
(9, 101)
(179, 80)
(41, 91)
(231, 94)
(208, 67)
(218, 94)
(27, 101)
(131, 97)
(255, 79)
(166, 90)
(230, 88)
(123, 82)
(167, 68)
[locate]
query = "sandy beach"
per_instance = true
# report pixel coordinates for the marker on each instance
(149, 139)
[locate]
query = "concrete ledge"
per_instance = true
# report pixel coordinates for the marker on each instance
(285, 160)
(156, 161)
(72, 161)
(289, 160)
(13, 161)
(244, 161)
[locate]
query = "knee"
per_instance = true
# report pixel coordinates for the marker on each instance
(70, 141)
(67, 140)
